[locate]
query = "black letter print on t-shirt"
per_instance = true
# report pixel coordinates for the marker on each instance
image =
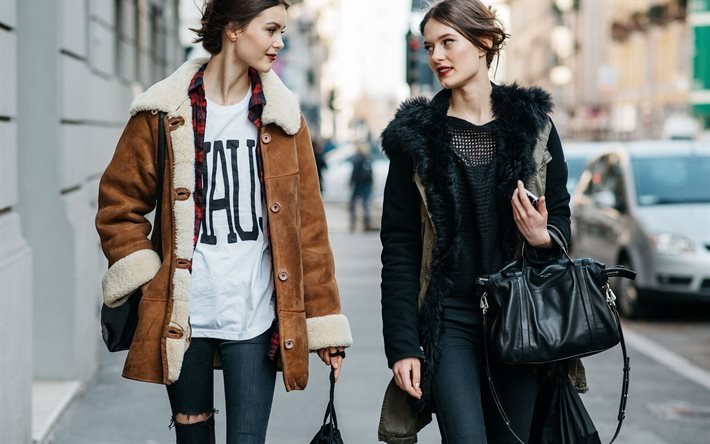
(208, 237)
(232, 146)
(230, 201)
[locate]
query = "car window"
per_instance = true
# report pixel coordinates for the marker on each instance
(596, 175)
(606, 186)
(672, 180)
(613, 183)
(613, 177)
(575, 166)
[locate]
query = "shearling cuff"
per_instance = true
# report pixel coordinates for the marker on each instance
(127, 274)
(328, 331)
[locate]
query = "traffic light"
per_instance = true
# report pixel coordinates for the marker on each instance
(414, 47)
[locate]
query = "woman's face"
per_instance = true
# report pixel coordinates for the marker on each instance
(258, 44)
(453, 58)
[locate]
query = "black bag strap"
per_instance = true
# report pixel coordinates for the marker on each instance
(330, 410)
(552, 229)
(627, 370)
(627, 360)
(557, 238)
(620, 271)
(161, 177)
(494, 392)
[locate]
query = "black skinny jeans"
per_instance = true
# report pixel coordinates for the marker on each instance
(465, 410)
(249, 378)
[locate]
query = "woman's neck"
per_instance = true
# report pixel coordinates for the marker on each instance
(472, 102)
(226, 79)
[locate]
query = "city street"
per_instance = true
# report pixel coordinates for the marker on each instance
(665, 405)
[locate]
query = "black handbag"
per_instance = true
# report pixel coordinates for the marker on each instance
(539, 314)
(118, 324)
(329, 433)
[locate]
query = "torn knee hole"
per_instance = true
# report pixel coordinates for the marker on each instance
(184, 419)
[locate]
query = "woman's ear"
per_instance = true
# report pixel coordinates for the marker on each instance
(232, 33)
(486, 42)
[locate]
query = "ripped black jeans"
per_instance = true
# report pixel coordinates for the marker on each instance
(249, 377)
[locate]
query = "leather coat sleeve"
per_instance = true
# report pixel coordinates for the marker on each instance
(327, 327)
(127, 192)
(401, 260)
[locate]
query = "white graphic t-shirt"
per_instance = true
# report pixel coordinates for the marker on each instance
(232, 283)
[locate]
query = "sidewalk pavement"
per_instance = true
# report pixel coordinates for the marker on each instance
(114, 410)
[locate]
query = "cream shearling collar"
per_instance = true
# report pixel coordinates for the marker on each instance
(281, 108)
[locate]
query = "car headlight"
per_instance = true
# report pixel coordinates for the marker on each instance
(671, 243)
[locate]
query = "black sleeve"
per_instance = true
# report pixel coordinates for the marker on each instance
(401, 260)
(556, 196)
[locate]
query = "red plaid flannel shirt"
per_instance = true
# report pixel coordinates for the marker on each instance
(196, 91)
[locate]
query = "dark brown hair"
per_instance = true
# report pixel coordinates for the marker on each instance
(473, 20)
(219, 15)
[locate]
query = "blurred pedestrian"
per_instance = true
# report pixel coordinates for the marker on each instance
(328, 145)
(321, 164)
(238, 151)
(361, 186)
(455, 209)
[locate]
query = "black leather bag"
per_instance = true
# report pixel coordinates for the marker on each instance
(329, 433)
(560, 310)
(563, 309)
(118, 324)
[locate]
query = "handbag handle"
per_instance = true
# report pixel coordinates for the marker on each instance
(330, 410)
(556, 237)
(626, 371)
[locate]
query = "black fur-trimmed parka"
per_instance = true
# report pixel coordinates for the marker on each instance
(420, 191)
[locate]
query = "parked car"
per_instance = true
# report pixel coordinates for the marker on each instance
(647, 207)
(577, 156)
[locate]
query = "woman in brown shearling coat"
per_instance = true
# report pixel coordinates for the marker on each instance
(248, 273)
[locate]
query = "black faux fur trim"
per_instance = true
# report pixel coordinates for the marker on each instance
(521, 113)
(419, 129)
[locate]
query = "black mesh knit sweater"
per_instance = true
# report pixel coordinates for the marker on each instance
(474, 148)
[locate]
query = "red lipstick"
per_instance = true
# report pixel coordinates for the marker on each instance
(444, 71)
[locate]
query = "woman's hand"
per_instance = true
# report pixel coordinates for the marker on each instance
(407, 375)
(334, 361)
(531, 222)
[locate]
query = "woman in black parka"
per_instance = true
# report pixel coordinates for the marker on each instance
(454, 209)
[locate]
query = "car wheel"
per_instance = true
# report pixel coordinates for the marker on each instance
(627, 295)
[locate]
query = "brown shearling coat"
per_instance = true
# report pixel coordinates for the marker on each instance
(307, 301)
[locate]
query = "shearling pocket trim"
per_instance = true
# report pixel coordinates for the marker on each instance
(175, 349)
(127, 274)
(328, 331)
(176, 344)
